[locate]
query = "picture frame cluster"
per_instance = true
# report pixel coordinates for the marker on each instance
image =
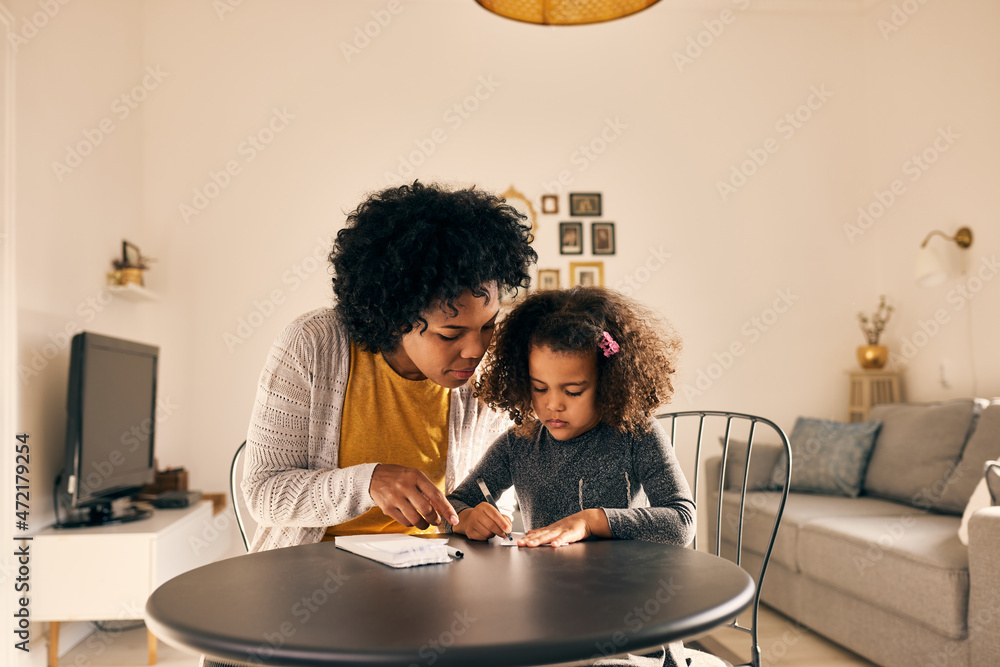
(574, 239)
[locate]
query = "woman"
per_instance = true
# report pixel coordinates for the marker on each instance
(364, 414)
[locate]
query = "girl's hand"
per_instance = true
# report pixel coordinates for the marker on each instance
(573, 528)
(482, 522)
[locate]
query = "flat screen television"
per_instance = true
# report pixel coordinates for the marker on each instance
(110, 430)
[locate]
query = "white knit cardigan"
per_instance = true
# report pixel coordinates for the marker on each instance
(291, 481)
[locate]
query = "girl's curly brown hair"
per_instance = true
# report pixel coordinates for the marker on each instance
(630, 384)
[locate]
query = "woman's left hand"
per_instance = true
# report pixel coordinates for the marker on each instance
(573, 528)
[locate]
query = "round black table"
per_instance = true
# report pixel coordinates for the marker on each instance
(316, 604)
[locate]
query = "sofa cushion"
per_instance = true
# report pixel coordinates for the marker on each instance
(913, 565)
(801, 509)
(983, 445)
(761, 463)
(827, 457)
(916, 449)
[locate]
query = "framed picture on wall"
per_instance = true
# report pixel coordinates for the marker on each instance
(550, 204)
(570, 238)
(586, 273)
(602, 238)
(548, 278)
(585, 203)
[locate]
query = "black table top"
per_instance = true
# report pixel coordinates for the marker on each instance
(316, 604)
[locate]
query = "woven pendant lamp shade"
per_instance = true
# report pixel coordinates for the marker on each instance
(565, 12)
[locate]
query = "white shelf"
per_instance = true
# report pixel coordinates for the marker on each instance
(133, 292)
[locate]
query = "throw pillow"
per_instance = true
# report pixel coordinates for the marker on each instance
(985, 494)
(918, 446)
(828, 457)
(983, 445)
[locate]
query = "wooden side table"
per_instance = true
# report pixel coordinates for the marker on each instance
(870, 388)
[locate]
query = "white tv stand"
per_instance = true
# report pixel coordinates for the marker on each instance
(108, 572)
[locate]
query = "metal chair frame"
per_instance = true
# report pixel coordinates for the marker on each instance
(234, 489)
(755, 653)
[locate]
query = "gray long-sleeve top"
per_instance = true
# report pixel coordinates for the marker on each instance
(636, 480)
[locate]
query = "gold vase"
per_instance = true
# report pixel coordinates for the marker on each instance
(873, 356)
(131, 276)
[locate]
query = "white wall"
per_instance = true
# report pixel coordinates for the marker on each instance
(553, 90)
(343, 125)
(932, 74)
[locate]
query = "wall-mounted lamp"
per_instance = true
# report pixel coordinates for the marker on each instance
(565, 12)
(930, 270)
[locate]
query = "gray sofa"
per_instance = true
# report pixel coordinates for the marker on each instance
(884, 573)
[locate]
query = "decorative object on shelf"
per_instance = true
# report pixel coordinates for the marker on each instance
(586, 273)
(128, 269)
(523, 206)
(565, 12)
(570, 238)
(548, 278)
(550, 204)
(874, 355)
(585, 203)
(602, 238)
(929, 270)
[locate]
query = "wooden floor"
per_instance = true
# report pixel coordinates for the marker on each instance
(783, 643)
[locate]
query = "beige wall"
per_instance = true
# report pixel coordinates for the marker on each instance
(768, 270)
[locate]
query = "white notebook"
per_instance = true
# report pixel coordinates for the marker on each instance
(396, 550)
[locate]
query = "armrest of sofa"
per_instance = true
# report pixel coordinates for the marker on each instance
(984, 587)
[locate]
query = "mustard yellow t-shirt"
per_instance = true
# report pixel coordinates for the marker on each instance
(389, 419)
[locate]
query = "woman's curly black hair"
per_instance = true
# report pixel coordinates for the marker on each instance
(405, 248)
(631, 384)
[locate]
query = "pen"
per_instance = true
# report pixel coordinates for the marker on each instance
(453, 552)
(489, 499)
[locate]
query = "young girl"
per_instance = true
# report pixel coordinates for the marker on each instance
(581, 372)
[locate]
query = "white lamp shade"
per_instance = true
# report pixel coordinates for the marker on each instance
(929, 269)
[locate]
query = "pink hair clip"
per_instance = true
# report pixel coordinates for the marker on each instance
(608, 344)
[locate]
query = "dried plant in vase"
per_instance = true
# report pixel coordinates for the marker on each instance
(129, 268)
(874, 355)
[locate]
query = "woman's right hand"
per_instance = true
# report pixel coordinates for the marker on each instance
(483, 522)
(408, 496)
